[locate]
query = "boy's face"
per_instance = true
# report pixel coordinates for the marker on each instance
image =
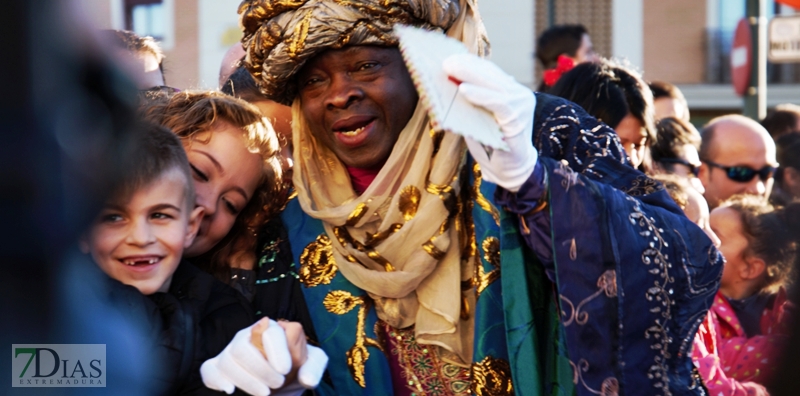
(140, 242)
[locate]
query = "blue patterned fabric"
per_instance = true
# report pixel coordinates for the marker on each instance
(635, 277)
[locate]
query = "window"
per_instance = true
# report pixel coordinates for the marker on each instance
(146, 17)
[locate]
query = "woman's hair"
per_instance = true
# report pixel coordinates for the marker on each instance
(610, 91)
(676, 188)
(673, 133)
(788, 154)
(772, 235)
(557, 40)
(189, 113)
(782, 120)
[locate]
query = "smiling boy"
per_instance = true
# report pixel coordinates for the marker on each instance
(140, 234)
(139, 239)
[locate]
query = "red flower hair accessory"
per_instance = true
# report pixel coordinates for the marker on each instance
(551, 76)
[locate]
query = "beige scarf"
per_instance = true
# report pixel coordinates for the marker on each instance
(399, 240)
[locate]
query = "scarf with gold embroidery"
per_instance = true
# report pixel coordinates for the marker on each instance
(399, 240)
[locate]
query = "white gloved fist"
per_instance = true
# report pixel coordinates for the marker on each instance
(311, 371)
(241, 365)
(485, 85)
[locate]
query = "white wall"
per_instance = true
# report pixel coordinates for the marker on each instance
(509, 24)
(627, 36)
(218, 27)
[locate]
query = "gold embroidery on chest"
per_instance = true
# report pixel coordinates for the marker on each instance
(340, 302)
(480, 199)
(492, 377)
(317, 265)
(491, 253)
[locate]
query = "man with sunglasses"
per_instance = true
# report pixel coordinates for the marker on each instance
(738, 157)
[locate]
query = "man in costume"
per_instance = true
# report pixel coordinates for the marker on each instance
(426, 266)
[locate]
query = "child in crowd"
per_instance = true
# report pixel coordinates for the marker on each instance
(738, 344)
(139, 239)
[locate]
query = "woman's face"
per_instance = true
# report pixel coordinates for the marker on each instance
(226, 175)
(633, 138)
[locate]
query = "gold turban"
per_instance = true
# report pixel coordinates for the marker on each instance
(280, 36)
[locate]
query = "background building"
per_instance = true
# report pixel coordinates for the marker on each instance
(686, 42)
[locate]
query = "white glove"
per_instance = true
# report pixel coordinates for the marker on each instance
(485, 85)
(242, 365)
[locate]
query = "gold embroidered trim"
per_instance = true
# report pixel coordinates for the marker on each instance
(439, 189)
(480, 199)
(433, 251)
(492, 377)
(357, 214)
(344, 237)
(340, 302)
(491, 253)
(376, 239)
(317, 265)
(409, 202)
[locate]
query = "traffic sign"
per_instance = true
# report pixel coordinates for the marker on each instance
(741, 57)
(784, 39)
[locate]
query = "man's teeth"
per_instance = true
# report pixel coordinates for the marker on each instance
(353, 133)
(134, 262)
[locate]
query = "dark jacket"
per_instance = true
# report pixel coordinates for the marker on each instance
(200, 315)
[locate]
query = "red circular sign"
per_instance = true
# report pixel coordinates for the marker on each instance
(790, 3)
(741, 51)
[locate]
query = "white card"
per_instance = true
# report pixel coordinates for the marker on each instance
(424, 53)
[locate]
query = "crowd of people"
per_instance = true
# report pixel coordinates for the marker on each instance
(304, 229)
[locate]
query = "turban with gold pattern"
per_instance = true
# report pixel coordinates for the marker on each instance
(280, 36)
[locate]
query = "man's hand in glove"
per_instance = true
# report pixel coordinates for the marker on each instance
(512, 104)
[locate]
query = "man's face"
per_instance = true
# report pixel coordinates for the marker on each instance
(736, 144)
(356, 101)
(140, 242)
(585, 52)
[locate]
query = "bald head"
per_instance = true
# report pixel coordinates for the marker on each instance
(734, 141)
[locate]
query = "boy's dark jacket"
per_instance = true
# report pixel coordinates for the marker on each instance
(188, 325)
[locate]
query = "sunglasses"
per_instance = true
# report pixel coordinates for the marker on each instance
(744, 174)
(692, 167)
